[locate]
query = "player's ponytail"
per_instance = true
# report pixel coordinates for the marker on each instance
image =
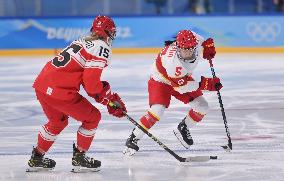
(169, 42)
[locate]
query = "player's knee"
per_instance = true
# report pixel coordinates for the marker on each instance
(157, 110)
(93, 119)
(57, 125)
(64, 122)
(200, 105)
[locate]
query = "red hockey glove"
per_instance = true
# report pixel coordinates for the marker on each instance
(104, 96)
(119, 108)
(210, 84)
(208, 49)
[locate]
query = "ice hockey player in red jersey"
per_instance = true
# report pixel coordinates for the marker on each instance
(57, 89)
(171, 75)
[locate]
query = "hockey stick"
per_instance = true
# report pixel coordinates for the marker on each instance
(181, 159)
(229, 146)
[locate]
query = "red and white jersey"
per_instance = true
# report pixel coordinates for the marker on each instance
(81, 63)
(172, 70)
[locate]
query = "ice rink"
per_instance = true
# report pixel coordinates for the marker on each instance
(253, 97)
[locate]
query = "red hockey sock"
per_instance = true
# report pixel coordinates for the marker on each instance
(148, 120)
(48, 134)
(43, 145)
(195, 116)
(45, 139)
(85, 138)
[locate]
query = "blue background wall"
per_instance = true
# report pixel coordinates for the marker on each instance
(138, 32)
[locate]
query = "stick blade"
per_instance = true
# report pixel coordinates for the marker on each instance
(227, 148)
(200, 158)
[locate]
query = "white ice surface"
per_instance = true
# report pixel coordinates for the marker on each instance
(253, 97)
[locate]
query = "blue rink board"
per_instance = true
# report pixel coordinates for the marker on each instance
(140, 32)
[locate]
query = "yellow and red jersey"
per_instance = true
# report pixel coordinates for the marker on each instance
(170, 69)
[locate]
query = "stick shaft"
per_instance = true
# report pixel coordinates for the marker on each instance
(222, 108)
(155, 139)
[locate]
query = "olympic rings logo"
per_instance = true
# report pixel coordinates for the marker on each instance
(264, 31)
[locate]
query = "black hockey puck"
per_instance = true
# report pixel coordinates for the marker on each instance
(213, 157)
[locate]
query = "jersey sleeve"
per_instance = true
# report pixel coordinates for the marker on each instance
(189, 86)
(97, 55)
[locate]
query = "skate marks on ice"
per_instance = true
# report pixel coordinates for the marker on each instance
(253, 100)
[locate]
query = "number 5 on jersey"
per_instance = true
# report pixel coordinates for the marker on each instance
(64, 57)
(178, 71)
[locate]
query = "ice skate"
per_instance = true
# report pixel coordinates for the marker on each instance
(131, 146)
(183, 135)
(37, 162)
(82, 163)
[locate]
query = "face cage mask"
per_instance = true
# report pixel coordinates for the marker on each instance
(111, 37)
(189, 59)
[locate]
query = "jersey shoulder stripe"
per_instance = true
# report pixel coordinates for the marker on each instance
(94, 54)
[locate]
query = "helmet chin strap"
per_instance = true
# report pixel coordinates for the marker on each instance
(110, 38)
(109, 41)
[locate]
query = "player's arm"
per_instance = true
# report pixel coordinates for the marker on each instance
(93, 68)
(92, 77)
(184, 84)
(92, 81)
(101, 90)
(96, 56)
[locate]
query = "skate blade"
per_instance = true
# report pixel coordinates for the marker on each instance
(128, 151)
(38, 169)
(78, 169)
(179, 137)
